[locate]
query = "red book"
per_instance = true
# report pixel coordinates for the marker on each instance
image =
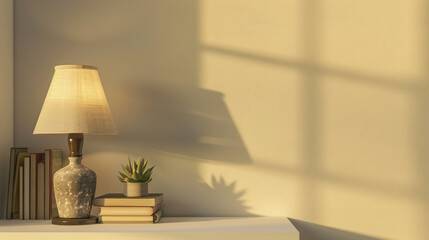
(40, 187)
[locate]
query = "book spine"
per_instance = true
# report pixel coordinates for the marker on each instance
(158, 215)
(26, 192)
(33, 186)
(12, 198)
(21, 192)
(9, 214)
(48, 184)
(125, 219)
(40, 190)
(16, 193)
(109, 221)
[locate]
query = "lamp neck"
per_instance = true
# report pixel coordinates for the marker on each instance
(75, 144)
(75, 160)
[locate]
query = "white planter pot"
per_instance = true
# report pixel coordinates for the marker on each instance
(136, 189)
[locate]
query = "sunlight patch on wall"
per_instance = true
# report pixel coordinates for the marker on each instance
(368, 133)
(270, 28)
(380, 37)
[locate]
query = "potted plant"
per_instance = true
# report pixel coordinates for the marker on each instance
(136, 177)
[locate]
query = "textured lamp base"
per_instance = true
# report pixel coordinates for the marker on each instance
(74, 187)
(74, 221)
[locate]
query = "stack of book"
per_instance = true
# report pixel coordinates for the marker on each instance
(116, 208)
(30, 192)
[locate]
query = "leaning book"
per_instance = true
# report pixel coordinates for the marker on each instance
(13, 183)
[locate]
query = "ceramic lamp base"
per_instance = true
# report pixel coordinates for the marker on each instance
(74, 187)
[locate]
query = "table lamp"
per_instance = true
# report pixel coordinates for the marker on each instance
(75, 105)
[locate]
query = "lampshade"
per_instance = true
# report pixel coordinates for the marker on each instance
(75, 103)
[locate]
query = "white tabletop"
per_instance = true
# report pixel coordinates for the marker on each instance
(168, 228)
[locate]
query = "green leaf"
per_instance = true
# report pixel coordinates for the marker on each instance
(139, 177)
(147, 174)
(144, 165)
(141, 165)
(129, 180)
(134, 167)
(150, 169)
(129, 165)
(123, 175)
(121, 179)
(126, 171)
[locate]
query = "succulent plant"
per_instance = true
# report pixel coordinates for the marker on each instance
(135, 172)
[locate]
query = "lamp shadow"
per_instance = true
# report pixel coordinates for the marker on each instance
(180, 121)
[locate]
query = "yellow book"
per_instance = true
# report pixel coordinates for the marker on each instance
(132, 219)
(119, 200)
(128, 211)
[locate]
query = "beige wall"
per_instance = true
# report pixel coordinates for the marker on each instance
(6, 96)
(315, 110)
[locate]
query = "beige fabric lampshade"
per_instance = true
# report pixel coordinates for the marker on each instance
(75, 103)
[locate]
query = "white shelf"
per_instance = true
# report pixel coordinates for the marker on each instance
(188, 228)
